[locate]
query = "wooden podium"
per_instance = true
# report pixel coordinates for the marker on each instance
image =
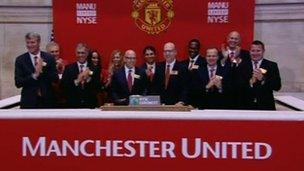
(147, 108)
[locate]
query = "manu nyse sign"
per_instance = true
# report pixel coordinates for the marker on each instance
(128, 143)
(106, 25)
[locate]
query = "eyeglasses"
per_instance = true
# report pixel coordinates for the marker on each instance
(168, 51)
(130, 57)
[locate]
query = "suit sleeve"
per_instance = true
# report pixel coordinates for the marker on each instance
(273, 79)
(52, 75)
(21, 78)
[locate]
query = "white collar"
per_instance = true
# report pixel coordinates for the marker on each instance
(151, 65)
(211, 67)
(38, 55)
(128, 69)
(171, 64)
(84, 64)
(195, 58)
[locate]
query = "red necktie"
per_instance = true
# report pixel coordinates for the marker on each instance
(151, 74)
(167, 76)
(231, 56)
(130, 80)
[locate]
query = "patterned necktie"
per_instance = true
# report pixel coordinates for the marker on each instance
(211, 70)
(81, 68)
(167, 76)
(255, 64)
(35, 60)
(130, 80)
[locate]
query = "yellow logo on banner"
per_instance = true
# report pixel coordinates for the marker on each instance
(153, 16)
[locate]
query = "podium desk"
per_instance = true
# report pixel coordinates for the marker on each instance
(147, 108)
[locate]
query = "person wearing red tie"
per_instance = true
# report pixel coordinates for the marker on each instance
(81, 80)
(35, 71)
(217, 86)
(231, 52)
(173, 78)
(129, 80)
(152, 69)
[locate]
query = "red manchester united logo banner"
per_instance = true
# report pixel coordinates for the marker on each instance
(106, 25)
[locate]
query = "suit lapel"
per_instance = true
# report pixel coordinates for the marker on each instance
(123, 79)
(29, 62)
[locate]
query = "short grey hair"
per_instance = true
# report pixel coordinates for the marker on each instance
(31, 35)
(82, 45)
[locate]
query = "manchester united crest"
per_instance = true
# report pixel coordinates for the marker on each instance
(153, 16)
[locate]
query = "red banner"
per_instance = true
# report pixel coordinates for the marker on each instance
(150, 144)
(126, 24)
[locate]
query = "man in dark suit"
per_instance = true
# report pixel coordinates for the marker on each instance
(192, 65)
(209, 89)
(173, 78)
(129, 80)
(81, 81)
(35, 71)
(54, 49)
(152, 69)
(232, 53)
(195, 60)
(263, 79)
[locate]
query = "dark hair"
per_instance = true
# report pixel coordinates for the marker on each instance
(258, 42)
(195, 41)
(152, 48)
(91, 55)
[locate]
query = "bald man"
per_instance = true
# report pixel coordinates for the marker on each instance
(129, 80)
(232, 53)
(173, 78)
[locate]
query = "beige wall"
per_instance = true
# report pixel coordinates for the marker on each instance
(279, 23)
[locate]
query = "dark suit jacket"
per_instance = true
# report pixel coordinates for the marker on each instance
(212, 98)
(119, 86)
(24, 69)
(80, 96)
(244, 55)
(176, 90)
(237, 91)
(201, 61)
(153, 87)
(261, 93)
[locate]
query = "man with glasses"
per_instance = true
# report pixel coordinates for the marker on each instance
(173, 78)
(129, 80)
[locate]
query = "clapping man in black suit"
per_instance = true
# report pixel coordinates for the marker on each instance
(129, 80)
(81, 81)
(264, 78)
(35, 71)
(231, 52)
